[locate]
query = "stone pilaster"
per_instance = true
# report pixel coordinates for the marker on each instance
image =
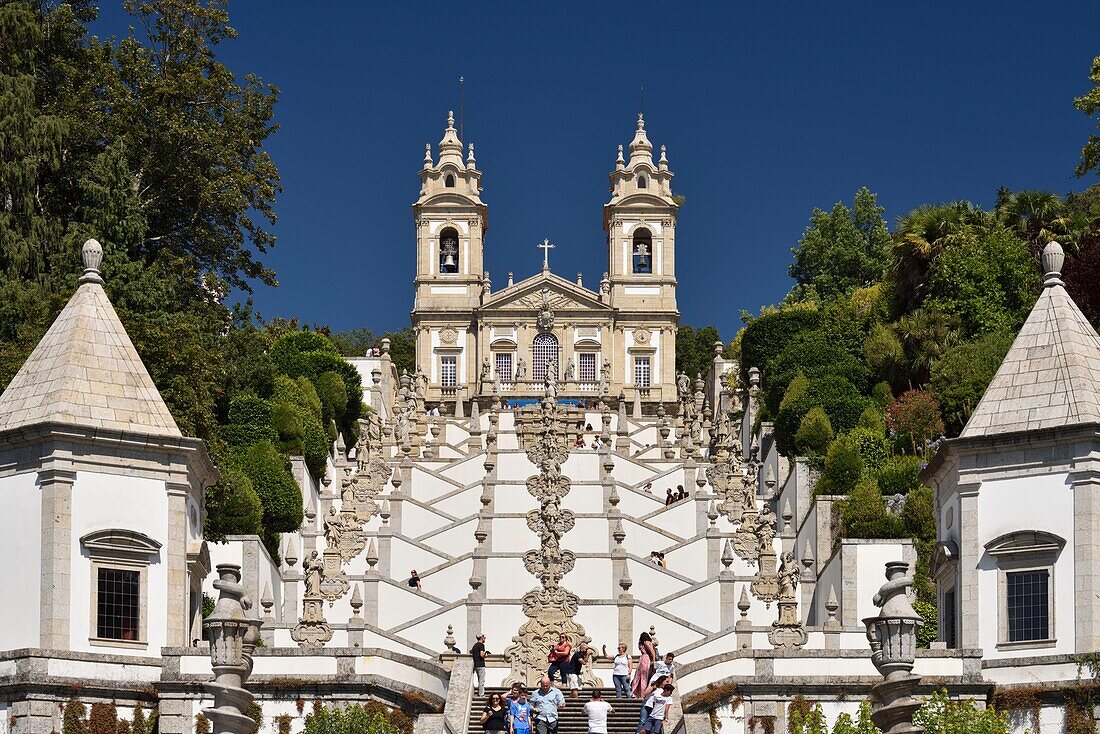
(969, 553)
(57, 498)
(176, 549)
(1086, 557)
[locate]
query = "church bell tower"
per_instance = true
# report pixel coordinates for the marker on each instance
(640, 221)
(450, 223)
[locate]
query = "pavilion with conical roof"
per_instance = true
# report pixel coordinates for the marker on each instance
(1017, 563)
(103, 495)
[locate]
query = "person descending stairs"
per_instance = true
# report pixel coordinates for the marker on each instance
(623, 718)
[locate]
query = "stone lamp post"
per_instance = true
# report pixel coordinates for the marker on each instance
(893, 638)
(233, 634)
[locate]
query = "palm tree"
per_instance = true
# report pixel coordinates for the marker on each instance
(921, 235)
(925, 337)
(1037, 217)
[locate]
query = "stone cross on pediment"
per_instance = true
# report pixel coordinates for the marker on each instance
(546, 246)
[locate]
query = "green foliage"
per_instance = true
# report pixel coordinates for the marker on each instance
(254, 712)
(233, 507)
(202, 724)
(882, 396)
(272, 481)
(884, 353)
(899, 475)
(835, 394)
(311, 355)
(288, 425)
(941, 715)
(1089, 104)
(872, 420)
(811, 720)
(812, 354)
(283, 722)
(766, 336)
(843, 249)
(796, 390)
(250, 420)
(354, 719)
(961, 376)
(72, 719)
(988, 280)
(919, 513)
(208, 604)
(865, 515)
(872, 447)
(306, 435)
(843, 468)
(914, 419)
(333, 394)
(139, 724)
(695, 349)
(928, 632)
(814, 433)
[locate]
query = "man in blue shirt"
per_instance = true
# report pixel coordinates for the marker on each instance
(546, 701)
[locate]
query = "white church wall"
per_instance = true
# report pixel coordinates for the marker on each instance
(650, 583)
(417, 520)
(591, 578)
(589, 535)
(430, 632)
(506, 578)
(689, 559)
(513, 498)
(679, 518)
(467, 471)
(584, 498)
(425, 487)
(641, 540)
(670, 634)
(501, 621)
(453, 541)
(601, 622)
(390, 669)
(102, 501)
(373, 639)
(871, 559)
(511, 535)
(405, 557)
(21, 549)
(701, 606)
(102, 670)
(397, 604)
(635, 503)
(450, 583)
(462, 504)
(1007, 505)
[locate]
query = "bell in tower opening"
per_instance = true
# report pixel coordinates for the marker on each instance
(643, 251)
(448, 251)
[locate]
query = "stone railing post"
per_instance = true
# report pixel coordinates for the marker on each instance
(233, 634)
(893, 638)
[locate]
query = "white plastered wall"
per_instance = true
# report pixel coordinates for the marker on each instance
(21, 549)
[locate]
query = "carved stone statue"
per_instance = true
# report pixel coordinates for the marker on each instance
(551, 382)
(546, 314)
(521, 369)
(570, 369)
(420, 387)
(605, 373)
(765, 527)
(683, 387)
(486, 370)
(401, 427)
(334, 528)
(788, 576)
(312, 568)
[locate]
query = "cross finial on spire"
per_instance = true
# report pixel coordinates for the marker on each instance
(546, 246)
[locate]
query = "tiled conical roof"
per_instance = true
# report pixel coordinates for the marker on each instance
(1051, 375)
(85, 372)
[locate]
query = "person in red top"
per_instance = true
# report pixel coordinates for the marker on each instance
(559, 658)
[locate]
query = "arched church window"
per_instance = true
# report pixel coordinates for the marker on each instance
(544, 352)
(449, 181)
(448, 251)
(642, 182)
(643, 251)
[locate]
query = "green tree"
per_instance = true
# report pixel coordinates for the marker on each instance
(280, 497)
(814, 433)
(843, 249)
(864, 513)
(834, 394)
(813, 354)
(960, 377)
(843, 468)
(354, 719)
(914, 419)
(233, 507)
(403, 349)
(939, 714)
(1089, 103)
(695, 349)
(899, 475)
(72, 719)
(767, 335)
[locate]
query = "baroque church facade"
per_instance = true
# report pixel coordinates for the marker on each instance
(472, 340)
(523, 526)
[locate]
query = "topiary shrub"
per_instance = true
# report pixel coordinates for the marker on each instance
(233, 507)
(103, 719)
(882, 395)
(872, 420)
(766, 336)
(873, 448)
(72, 719)
(864, 514)
(812, 354)
(249, 421)
(286, 352)
(311, 354)
(138, 723)
(914, 420)
(298, 396)
(814, 433)
(899, 475)
(795, 390)
(838, 397)
(843, 468)
(273, 483)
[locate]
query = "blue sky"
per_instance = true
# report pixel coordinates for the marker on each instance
(768, 110)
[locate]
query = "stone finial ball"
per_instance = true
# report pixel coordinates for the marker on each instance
(92, 254)
(1052, 258)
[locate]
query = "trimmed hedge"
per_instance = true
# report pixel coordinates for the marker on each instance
(233, 507)
(311, 354)
(865, 516)
(812, 354)
(843, 468)
(766, 336)
(814, 433)
(836, 395)
(300, 397)
(269, 472)
(872, 445)
(250, 420)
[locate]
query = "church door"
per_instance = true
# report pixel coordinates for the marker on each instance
(544, 350)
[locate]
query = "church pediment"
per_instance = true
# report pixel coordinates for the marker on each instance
(530, 294)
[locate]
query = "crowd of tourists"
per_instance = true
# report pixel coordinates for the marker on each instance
(651, 679)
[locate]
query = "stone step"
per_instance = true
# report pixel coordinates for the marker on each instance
(572, 719)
